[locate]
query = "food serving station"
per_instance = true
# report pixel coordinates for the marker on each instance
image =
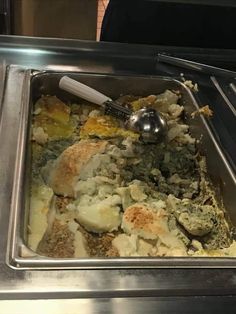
(132, 287)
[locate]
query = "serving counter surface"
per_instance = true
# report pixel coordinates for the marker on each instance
(112, 290)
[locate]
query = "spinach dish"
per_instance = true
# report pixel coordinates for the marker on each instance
(98, 191)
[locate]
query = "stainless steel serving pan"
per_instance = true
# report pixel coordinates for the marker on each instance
(36, 83)
(2, 84)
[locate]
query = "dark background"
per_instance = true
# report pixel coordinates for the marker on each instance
(173, 24)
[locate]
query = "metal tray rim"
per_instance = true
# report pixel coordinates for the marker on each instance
(13, 259)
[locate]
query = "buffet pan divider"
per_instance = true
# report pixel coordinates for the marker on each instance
(19, 256)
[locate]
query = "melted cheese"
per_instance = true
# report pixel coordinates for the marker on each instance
(104, 127)
(53, 117)
(54, 108)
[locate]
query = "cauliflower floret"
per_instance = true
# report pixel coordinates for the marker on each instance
(126, 245)
(86, 187)
(177, 130)
(101, 216)
(164, 100)
(175, 110)
(137, 191)
(39, 135)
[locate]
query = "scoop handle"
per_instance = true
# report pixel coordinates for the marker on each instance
(82, 90)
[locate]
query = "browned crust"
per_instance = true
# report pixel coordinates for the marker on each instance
(69, 164)
(140, 217)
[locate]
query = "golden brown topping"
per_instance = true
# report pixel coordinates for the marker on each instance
(52, 116)
(54, 108)
(138, 216)
(69, 164)
(104, 127)
(140, 219)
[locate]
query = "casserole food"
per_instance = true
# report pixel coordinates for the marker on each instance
(37, 237)
(103, 193)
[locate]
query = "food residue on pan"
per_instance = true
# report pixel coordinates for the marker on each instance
(191, 85)
(206, 111)
(97, 191)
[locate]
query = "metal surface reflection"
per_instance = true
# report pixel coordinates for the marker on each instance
(126, 283)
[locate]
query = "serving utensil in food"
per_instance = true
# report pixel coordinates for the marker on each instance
(19, 256)
(146, 121)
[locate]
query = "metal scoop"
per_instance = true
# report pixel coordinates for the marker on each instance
(146, 121)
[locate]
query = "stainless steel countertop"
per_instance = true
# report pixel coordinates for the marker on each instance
(175, 284)
(150, 305)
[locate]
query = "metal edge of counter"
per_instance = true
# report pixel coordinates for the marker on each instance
(121, 283)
